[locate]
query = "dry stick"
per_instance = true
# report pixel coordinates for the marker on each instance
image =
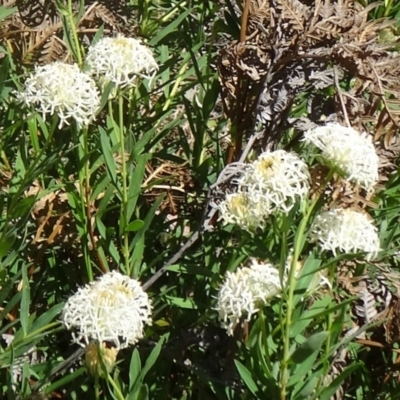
(196, 234)
(245, 15)
(242, 86)
(339, 91)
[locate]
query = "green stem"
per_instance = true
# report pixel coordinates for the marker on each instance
(124, 208)
(84, 188)
(72, 27)
(96, 387)
(291, 284)
(174, 91)
(118, 393)
(388, 8)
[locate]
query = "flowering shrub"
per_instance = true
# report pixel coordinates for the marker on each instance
(149, 162)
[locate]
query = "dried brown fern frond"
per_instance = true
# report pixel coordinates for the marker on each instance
(304, 48)
(291, 14)
(99, 12)
(377, 289)
(52, 50)
(40, 38)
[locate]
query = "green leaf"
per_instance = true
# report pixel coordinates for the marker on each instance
(137, 244)
(247, 378)
(134, 226)
(108, 155)
(6, 243)
(329, 391)
(67, 378)
(210, 98)
(314, 314)
(136, 388)
(143, 393)
(304, 317)
(25, 302)
(47, 317)
(172, 27)
(6, 12)
(100, 185)
(18, 174)
(307, 390)
(106, 200)
(135, 184)
(10, 304)
(106, 90)
(308, 275)
(150, 134)
(135, 369)
(23, 207)
(152, 358)
(309, 347)
(61, 8)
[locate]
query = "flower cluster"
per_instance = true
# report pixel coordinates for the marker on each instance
(65, 90)
(121, 60)
(244, 291)
(242, 210)
(351, 153)
(61, 89)
(345, 230)
(114, 309)
(278, 178)
(272, 183)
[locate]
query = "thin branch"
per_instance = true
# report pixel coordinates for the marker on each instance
(172, 260)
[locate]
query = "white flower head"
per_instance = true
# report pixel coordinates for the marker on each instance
(244, 291)
(239, 209)
(279, 178)
(114, 308)
(121, 60)
(62, 89)
(353, 154)
(345, 230)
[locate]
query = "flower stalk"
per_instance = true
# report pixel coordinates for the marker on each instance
(291, 284)
(124, 205)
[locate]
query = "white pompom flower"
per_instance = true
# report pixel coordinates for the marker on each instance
(245, 291)
(274, 182)
(279, 178)
(353, 154)
(121, 60)
(112, 309)
(239, 209)
(62, 89)
(346, 231)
